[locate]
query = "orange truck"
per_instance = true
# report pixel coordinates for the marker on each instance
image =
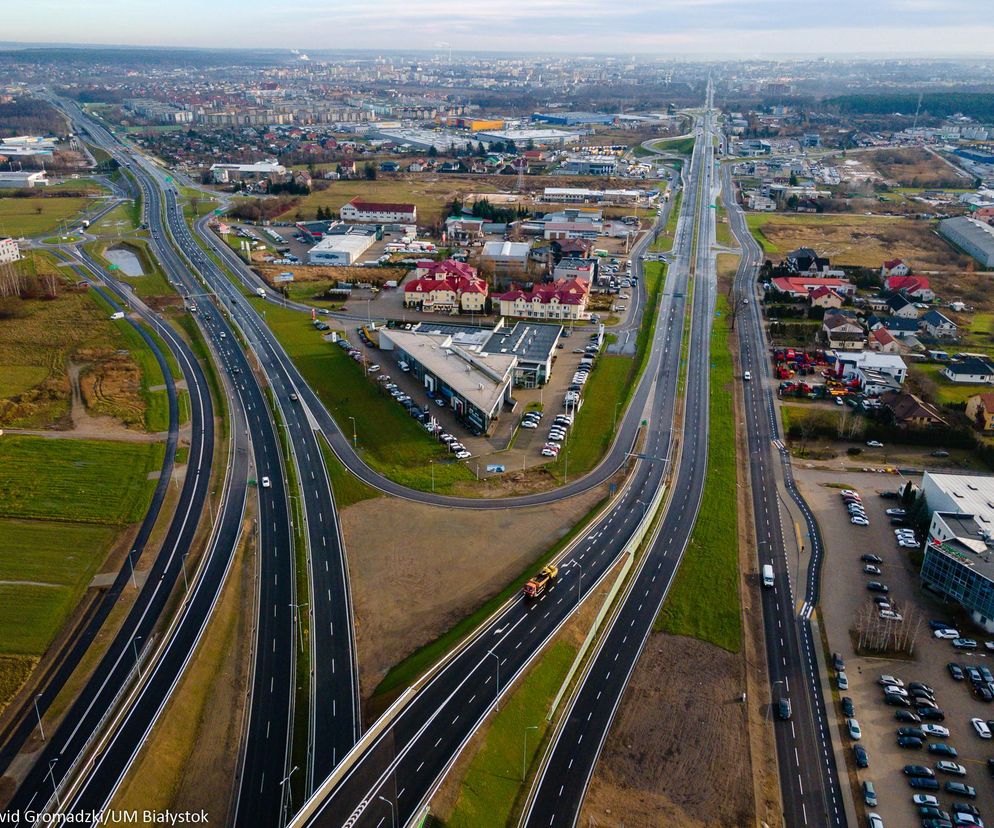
(536, 586)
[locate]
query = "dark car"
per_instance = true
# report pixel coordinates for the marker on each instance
(931, 714)
(985, 694)
(922, 693)
(941, 625)
(876, 586)
(923, 783)
(838, 663)
(910, 742)
(925, 811)
(896, 701)
(917, 685)
(907, 716)
(848, 707)
(990, 766)
(964, 808)
(889, 495)
(955, 671)
(859, 753)
(783, 709)
(920, 701)
(918, 770)
(974, 675)
(960, 789)
(936, 823)
(942, 749)
(917, 732)
(873, 559)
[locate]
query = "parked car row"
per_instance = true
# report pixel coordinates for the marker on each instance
(558, 432)
(854, 505)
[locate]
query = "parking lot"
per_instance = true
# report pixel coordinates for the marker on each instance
(844, 599)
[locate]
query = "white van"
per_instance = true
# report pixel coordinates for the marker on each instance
(767, 575)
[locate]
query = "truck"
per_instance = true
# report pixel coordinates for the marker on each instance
(536, 586)
(260, 292)
(767, 575)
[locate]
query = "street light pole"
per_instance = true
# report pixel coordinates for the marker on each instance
(524, 750)
(131, 562)
(38, 712)
(296, 622)
(288, 805)
(497, 699)
(393, 811)
(186, 583)
(55, 788)
(134, 645)
(353, 432)
(431, 466)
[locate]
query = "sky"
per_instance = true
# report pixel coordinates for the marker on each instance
(754, 28)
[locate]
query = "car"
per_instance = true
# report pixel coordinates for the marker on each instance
(918, 701)
(293, 397)
(926, 811)
(923, 783)
(856, 520)
(946, 633)
(845, 492)
(871, 569)
(887, 680)
(946, 766)
(529, 424)
(783, 709)
(266, 483)
(896, 701)
(904, 533)
(965, 644)
(931, 714)
(869, 793)
(985, 694)
(860, 756)
(874, 444)
(905, 544)
(874, 820)
(842, 681)
(960, 789)
(837, 663)
(876, 586)
(848, 708)
(917, 732)
(889, 615)
(895, 513)
(907, 716)
(917, 685)
(940, 453)
(463, 455)
(925, 799)
(979, 725)
(986, 673)
(547, 453)
(939, 625)
(882, 601)
(918, 770)
(974, 675)
(960, 820)
(910, 742)
(942, 749)
(935, 730)
(855, 732)
(964, 808)
(873, 559)
(936, 823)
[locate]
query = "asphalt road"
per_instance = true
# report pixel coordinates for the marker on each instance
(403, 765)
(809, 779)
(578, 740)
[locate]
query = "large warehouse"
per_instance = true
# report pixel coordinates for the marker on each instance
(339, 250)
(971, 236)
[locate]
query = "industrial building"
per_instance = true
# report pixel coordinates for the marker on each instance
(23, 179)
(425, 139)
(589, 165)
(224, 173)
(340, 251)
(9, 251)
(373, 211)
(581, 195)
(573, 118)
(522, 137)
(971, 236)
(508, 259)
(958, 562)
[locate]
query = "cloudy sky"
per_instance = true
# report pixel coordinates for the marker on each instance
(664, 27)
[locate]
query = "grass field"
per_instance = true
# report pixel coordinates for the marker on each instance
(944, 391)
(86, 481)
(389, 440)
(347, 488)
(683, 146)
(493, 783)
(703, 601)
(118, 221)
(38, 215)
(664, 241)
(14, 671)
(852, 239)
(152, 283)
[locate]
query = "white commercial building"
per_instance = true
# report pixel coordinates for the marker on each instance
(852, 362)
(380, 212)
(23, 179)
(522, 137)
(9, 251)
(339, 251)
(223, 173)
(972, 236)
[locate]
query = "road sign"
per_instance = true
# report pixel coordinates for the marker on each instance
(645, 423)
(169, 179)
(112, 267)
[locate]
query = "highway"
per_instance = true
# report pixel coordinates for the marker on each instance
(562, 781)
(809, 780)
(400, 768)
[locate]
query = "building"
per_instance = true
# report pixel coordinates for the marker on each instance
(472, 384)
(938, 325)
(521, 138)
(533, 345)
(899, 306)
(23, 179)
(896, 326)
(463, 230)
(958, 561)
(446, 287)
(980, 411)
(825, 297)
(909, 410)
(971, 370)
(893, 267)
(9, 251)
(915, 287)
(561, 299)
(570, 267)
(581, 195)
(971, 236)
(881, 341)
(340, 251)
(509, 260)
(573, 118)
(849, 362)
(799, 287)
(371, 211)
(225, 173)
(805, 260)
(589, 165)
(843, 332)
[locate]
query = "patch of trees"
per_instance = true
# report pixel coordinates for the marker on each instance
(483, 209)
(29, 116)
(262, 209)
(936, 104)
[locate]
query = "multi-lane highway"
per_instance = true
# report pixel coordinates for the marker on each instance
(809, 779)
(399, 770)
(579, 738)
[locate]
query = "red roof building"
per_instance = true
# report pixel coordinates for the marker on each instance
(446, 287)
(798, 287)
(561, 299)
(372, 211)
(917, 287)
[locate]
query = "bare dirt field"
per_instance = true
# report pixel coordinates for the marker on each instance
(319, 273)
(914, 167)
(410, 587)
(669, 760)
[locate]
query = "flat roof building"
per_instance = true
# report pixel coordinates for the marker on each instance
(521, 137)
(972, 236)
(23, 179)
(340, 251)
(534, 347)
(223, 173)
(573, 118)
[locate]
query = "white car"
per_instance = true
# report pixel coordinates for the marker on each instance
(747, 376)
(529, 424)
(983, 731)
(548, 453)
(855, 732)
(890, 615)
(934, 730)
(947, 633)
(856, 520)
(463, 455)
(891, 681)
(874, 820)
(905, 544)
(874, 444)
(925, 799)
(266, 483)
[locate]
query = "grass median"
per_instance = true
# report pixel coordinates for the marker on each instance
(703, 601)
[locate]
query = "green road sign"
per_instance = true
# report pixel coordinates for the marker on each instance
(112, 267)
(169, 179)
(219, 212)
(645, 422)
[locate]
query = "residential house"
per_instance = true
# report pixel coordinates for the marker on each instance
(571, 247)
(848, 363)
(910, 410)
(901, 307)
(896, 326)
(882, 342)
(913, 287)
(970, 370)
(980, 411)
(562, 299)
(874, 383)
(843, 332)
(798, 287)
(824, 297)
(446, 287)
(938, 325)
(805, 260)
(9, 251)
(893, 267)
(463, 230)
